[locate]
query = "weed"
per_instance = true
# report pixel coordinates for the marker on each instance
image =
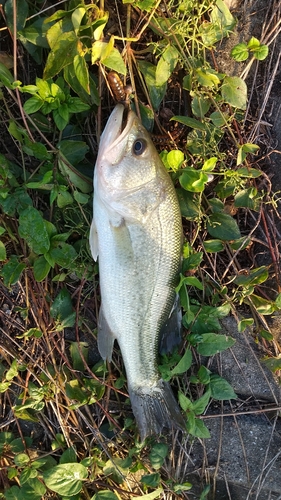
(83, 442)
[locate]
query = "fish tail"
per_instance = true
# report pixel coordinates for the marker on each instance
(155, 408)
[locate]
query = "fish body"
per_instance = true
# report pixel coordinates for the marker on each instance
(136, 234)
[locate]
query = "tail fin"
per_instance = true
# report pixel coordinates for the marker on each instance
(154, 408)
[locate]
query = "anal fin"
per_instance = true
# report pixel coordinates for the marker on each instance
(105, 337)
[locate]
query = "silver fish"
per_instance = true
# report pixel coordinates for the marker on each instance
(136, 234)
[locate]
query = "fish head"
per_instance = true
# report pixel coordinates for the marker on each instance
(127, 158)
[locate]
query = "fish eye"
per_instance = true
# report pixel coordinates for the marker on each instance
(139, 147)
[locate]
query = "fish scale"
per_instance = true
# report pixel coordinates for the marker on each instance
(136, 234)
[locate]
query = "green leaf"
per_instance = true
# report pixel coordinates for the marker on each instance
(240, 243)
(193, 281)
(114, 61)
(41, 268)
(11, 271)
(179, 488)
(240, 52)
(21, 14)
(261, 52)
(203, 375)
(247, 198)
(166, 65)
(219, 118)
(3, 254)
(36, 149)
(263, 306)
(220, 388)
(245, 323)
(6, 76)
(16, 131)
(60, 121)
(65, 479)
(222, 18)
(192, 262)
(193, 180)
(207, 78)
(278, 301)
(33, 104)
(212, 343)
(75, 105)
(190, 122)
(81, 197)
(33, 489)
(242, 154)
(68, 456)
(196, 427)
(21, 411)
(81, 72)
(74, 175)
(64, 198)
(21, 459)
(156, 92)
(151, 480)
(253, 43)
(158, 454)
(273, 364)
(210, 164)
(216, 205)
(255, 277)
(117, 469)
(61, 308)
(77, 16)
(184, 364)
(175, 159)
(74, 151)
(13, 371)
(28, 473)
(4, 386)
(35, 33)
(13, 493)
(63, 52)
(248, 171)
(213, 246)
(234, 92)
(155, 494)
(189, 205)
(33, 229)
(17, 445)
(71, 79)
(200, 106)
(32, 332)
(62, 254)
(105, 495)
(199, 406)
(144, 5)
(76, 348)
(223, 227)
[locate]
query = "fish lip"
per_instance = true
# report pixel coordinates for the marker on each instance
(117, 127)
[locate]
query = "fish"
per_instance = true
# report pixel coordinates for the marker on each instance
(136, 236)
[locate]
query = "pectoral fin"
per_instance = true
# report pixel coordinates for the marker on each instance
(171, 332)
(105, 337)
(94, 243)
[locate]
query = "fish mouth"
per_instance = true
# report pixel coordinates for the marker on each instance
(117, 127)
